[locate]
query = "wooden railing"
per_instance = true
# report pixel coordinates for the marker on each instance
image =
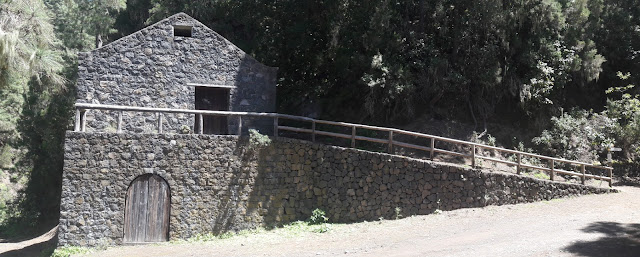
(390, 142)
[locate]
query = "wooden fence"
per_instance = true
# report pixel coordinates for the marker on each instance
(390, 142)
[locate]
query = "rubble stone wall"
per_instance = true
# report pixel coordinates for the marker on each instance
(152, 68)
(223, 183)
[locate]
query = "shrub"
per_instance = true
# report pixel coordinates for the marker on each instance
(578, 135)
(258, 140)
(318, 217)
(585, 135)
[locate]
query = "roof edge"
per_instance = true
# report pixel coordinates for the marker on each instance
(170, 17)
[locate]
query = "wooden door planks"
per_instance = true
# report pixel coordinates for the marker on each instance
(157, 226)
(147, 210)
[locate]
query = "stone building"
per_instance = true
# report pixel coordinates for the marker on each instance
(176, 63)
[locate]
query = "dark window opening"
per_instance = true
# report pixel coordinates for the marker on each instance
(213, 99)
(182, 30)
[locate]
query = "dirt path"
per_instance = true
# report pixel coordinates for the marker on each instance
(31, 247)
(595, 225)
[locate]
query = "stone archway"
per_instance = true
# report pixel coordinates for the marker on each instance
(147, 208)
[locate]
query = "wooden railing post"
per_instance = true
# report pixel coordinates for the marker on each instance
(239, 125)
(353, 137)
(519, 162)
(552, 175)
(313, 131)
(473, 156)
(76, 127)
(200, 126)
(119, 126)
(275, 126)
(433, 148)
(390, 141)
(610, 177)
(584, 178)
(160, 119)
(84, 120)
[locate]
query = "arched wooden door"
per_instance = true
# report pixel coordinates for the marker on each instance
(146, 214)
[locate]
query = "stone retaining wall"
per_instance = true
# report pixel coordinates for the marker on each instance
(222, 183)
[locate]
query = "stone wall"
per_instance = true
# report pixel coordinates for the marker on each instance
(222, 183)
(151, 68)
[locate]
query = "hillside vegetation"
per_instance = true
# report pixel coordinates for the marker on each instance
(559, 74)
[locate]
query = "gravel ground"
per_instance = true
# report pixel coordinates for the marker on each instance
(594, 225)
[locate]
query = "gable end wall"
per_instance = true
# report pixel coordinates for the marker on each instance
(151, 68)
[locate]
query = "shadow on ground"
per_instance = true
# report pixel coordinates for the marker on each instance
(42, 245)
(40, 249)
(618, 239)
(626, 181)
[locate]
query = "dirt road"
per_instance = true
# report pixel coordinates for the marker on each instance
(595, 225)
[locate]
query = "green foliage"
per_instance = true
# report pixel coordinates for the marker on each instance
(258, 140)
(203, 237)
(317, 217)
(27, 45)
(577, 135)
(322, 228)
(398, 212)
(586, 136)
(478, 138)
(85, 24)
(625, 110)
(67, 251)
(541, 175)
(184, 129)
(208, 237)
(32, 84)
(538, 174)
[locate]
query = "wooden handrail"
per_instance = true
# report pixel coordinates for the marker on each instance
(82, 108)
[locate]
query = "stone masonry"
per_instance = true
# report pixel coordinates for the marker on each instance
(222, 183)
(153, 67)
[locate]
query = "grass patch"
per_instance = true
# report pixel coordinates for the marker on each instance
(208, 237)
(292, 229)
(317, 223)
(539, 175)
(67, 251)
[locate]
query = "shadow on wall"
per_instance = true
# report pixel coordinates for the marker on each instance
(238, 202)
(270, 199)
(255, 92)
(254, 196)
(292, 180)
(618, 239)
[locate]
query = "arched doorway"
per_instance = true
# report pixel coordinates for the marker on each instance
(146, 214)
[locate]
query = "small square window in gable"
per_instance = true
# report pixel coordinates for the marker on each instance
(182, 30)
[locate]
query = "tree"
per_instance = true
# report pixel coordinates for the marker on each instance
(85, 24)
(30, 61)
